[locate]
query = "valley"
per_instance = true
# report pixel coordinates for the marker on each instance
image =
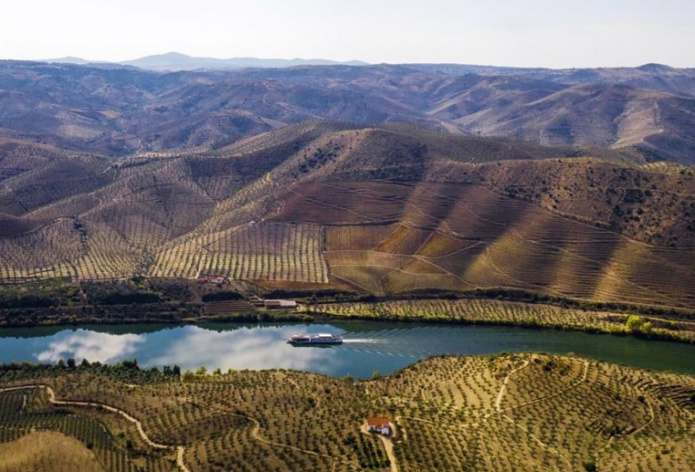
(493, 204)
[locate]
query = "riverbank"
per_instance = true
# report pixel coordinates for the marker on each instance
(436, 311)
(506, 313)
(178, 301)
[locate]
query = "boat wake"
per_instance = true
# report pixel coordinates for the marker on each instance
(393, 342)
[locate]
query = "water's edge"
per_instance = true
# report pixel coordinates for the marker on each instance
(370, 346)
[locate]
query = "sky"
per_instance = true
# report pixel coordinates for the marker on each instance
(524, 33)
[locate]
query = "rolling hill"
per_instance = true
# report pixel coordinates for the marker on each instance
(615, 116)
(383, 209)
(522, 412)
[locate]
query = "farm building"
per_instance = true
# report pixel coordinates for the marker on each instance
(379, 424)
(212, 279)
(283, 304)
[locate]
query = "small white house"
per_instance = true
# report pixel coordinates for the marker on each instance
(379, 424)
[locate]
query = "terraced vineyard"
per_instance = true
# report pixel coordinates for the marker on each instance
(384, 210)
(334, 203)
(462, 237)
(510, 412)
(506, 416)
(263, 251)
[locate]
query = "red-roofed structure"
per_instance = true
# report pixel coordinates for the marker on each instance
(379, 424)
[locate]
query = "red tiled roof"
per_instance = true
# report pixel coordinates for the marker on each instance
(377, 420)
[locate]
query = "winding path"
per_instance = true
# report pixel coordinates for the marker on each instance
(138, 424)
(388, 446)
(180, 450)
(256, 434)
(652, 417)
(500, 396)
(499, 409)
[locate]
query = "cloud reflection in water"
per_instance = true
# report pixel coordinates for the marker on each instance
(368, 346)
(244, 348)
(91, 345)
(190, 347)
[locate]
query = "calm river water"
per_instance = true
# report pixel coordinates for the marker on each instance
(368, 347)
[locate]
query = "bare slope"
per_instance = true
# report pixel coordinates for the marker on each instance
(600, 115)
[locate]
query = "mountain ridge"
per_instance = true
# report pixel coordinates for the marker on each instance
(122, 110)
(176, 61)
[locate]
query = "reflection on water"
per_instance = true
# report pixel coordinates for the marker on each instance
(256, 348)
(368, 346)
(81, 344)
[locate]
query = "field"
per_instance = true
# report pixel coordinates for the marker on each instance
(89, 440)
(538, 413)
(509, 412)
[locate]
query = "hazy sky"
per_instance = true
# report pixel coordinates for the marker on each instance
(551, 33)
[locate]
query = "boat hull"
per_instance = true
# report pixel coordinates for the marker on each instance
(331, 343)
(315, 340)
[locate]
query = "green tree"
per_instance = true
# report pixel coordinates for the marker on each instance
(634, 323)
(188, 376)
(647, 327)
(590, 465)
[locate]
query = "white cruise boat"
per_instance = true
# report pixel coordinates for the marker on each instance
(311, 339)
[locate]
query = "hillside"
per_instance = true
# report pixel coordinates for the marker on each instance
(610, 116)
(384, 209)
(120, 111)
(47, 451)
(522, 412)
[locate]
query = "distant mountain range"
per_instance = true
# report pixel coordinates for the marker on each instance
(115, 110)
(174, 61)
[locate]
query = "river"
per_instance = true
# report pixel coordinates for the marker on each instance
(369, 346)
